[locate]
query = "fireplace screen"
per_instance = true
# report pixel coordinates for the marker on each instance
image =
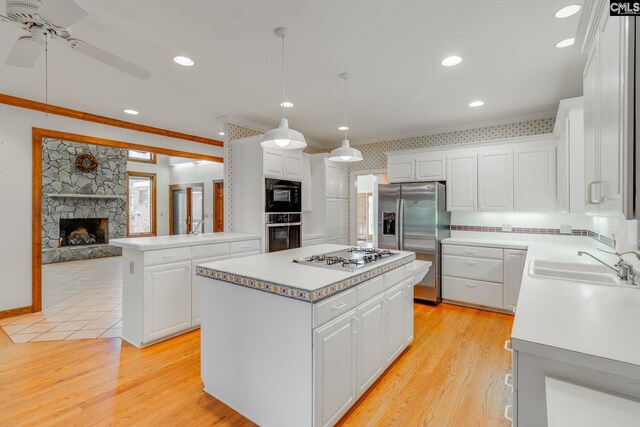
(83, 231)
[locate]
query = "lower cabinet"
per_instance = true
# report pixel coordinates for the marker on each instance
(513, 270)
(167, 300)
(407, 311)
(371, 345)
(394, 301)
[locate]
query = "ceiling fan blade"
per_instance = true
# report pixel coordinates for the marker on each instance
(62, 13)
(109, 59)
(25, 53)
(11, 21)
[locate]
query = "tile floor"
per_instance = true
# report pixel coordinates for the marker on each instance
(80, 300)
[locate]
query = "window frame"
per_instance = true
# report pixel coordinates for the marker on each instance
(151, 160)
(154, 200)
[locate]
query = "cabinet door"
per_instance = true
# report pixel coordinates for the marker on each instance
(513, 269)
(343, 227)
(407, 311)
(495, 181)
(273, 162)
(334, 369)
(293, 165)
(195, 291)
(535, 179)
(610, 124)
(400, 169)
(343, 183)
(461, 182)
(332, 220)
(306, 184)
(371, 353)
(590, 88)
(332, 180)
(430, 168)
(394, 301)
(167, 300)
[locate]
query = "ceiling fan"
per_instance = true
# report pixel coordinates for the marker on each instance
(51, 19)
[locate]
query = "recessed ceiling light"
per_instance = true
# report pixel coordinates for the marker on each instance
(476, 104)
(183, 60)
(565, 43)
(132, 112)
(450, 61)
(343, 128)
(286, 104)
(221, 133)
(567, 11)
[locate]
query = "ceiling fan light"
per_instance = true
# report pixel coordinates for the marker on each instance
(283, 138)
(345, 153)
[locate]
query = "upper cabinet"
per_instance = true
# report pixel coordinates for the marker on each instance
(416, 167)
(461, 182)
(429, 167)
(570, 163)
(400, 168)
(608, 111)
(286, 164)
(535, 179)
(495, 180)
(306, 182)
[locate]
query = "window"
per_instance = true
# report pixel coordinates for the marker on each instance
(141, 156)
(141, 204)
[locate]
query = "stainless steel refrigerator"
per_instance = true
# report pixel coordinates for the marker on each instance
(413, 217)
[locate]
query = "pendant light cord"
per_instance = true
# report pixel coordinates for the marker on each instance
(346, 127)
(283, 76)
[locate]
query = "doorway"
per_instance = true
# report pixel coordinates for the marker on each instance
(218, 206)
(186, 208)
(366, 207)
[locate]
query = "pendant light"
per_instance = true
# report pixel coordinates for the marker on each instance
(345, 153)
(282, 137)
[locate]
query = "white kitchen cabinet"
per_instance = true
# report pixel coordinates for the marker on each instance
(535, 179)
(329, 211)
(400, 168)
(334, 351)
(167, 300)
(430, 167)
(462, 182)
(285, 164)
(407, 311)
(306, 183)
(371, 342)
(331, 184)
(343, 226)
(343, 183)
(332, 220)
(495, 180)
(570, 156)
(513, 270)
(395, 342)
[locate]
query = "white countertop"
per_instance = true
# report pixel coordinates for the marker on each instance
(596, 320)
(164, 242)
(277, 268)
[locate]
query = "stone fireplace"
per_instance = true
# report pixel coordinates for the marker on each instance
(82, 211)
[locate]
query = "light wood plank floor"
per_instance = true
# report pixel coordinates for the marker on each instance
(452, 375)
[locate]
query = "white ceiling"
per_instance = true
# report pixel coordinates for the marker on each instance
(392, 49)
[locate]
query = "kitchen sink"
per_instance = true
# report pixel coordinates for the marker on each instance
(575, 272)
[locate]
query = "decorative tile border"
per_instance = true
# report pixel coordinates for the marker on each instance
(530, 230)
(301, 294)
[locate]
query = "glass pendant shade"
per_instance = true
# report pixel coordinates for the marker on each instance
(283, 138)
(345, 153)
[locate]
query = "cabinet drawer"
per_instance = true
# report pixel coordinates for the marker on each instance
(201, 261)
(333, 307)
(370, 289)
(245, 246)
(244, 254)
(205, 251)
(165, 256)
(393, 277)
(488, 270)
(472, 251)
(472, 291)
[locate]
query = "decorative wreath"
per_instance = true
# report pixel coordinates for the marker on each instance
(86, 162)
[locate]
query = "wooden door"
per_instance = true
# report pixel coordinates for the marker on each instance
(362, 216)
(218, 206)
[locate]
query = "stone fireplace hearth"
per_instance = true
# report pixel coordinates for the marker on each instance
(82, 211)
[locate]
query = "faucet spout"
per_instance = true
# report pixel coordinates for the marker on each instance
(580, 253)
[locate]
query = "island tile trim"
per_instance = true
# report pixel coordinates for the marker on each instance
(301, 294)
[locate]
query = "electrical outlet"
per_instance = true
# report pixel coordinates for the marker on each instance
(565, 228)
(506, 227)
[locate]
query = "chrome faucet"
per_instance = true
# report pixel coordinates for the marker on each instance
(623, 269)
(195, 227)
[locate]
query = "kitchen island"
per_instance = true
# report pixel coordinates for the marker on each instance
(287, 344)
(160, 298)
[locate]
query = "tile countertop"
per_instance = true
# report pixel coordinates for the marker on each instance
(276, 273)
(164, 242)
(595, 320)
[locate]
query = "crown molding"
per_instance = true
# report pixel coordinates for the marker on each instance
(467, 126)
(588, 24)
(563, 111)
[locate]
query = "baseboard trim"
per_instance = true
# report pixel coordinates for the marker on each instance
(15, 311)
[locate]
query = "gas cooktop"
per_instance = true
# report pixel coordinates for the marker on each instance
(347, 259)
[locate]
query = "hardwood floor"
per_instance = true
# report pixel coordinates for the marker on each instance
(452, 375)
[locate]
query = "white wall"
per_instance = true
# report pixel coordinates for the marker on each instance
(15, 186)
(163, 171)
(193, 173)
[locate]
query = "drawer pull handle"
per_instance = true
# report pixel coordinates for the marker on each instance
(339, 306)
(168, 256)
(470, 285)
(507, 346)
(507, 410)
(356, 326)
(470, 262)
(508, 380)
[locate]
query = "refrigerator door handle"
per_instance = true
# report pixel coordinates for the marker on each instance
(398, 222)
(401, 225)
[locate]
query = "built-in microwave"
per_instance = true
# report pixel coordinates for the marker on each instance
(282, 196)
